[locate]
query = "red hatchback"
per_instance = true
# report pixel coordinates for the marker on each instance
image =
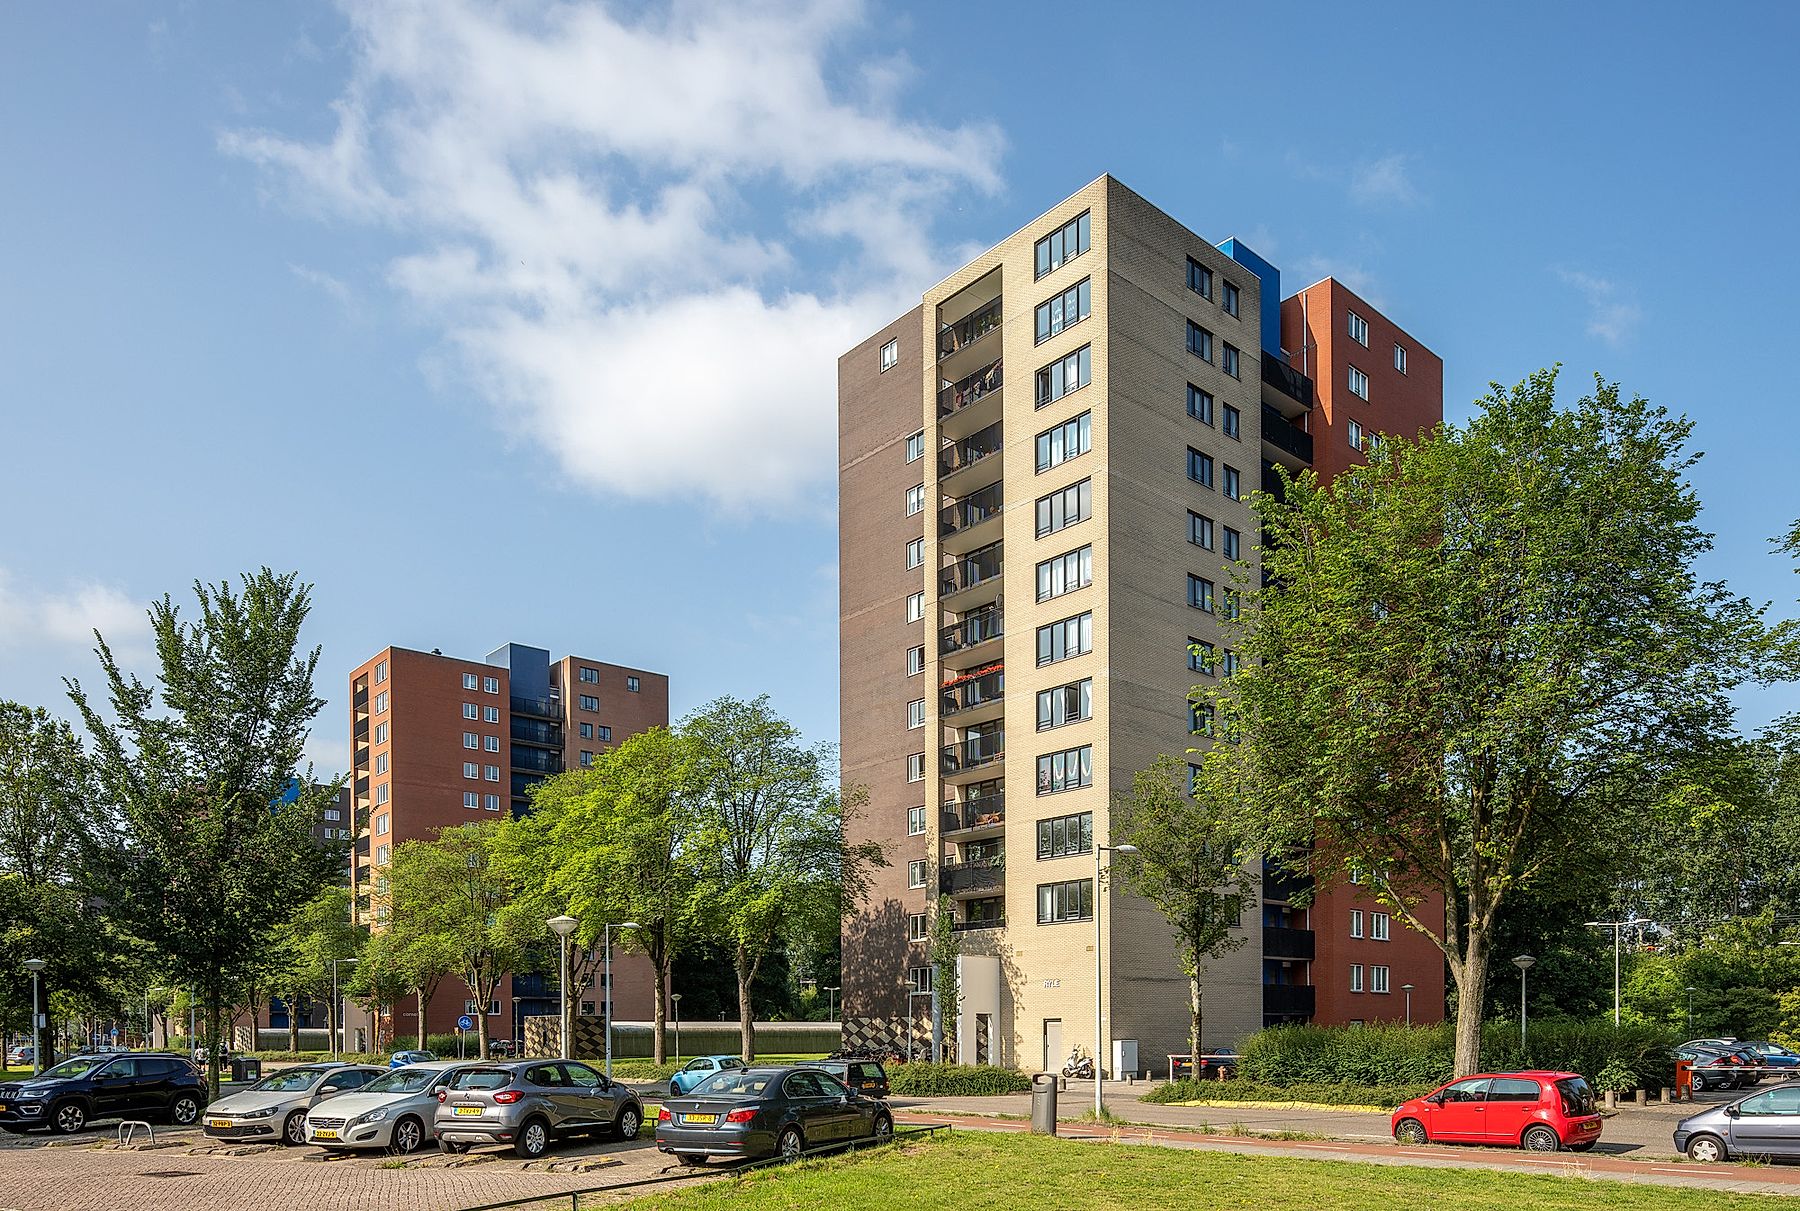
(1542, 1111)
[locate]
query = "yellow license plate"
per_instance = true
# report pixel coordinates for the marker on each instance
(325, 1133)
(218, 1122)
(699, 1118)
(465, 1110)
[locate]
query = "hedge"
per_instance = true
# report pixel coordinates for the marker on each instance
(1190, 1090)
(642, 1071)
(954, 1080)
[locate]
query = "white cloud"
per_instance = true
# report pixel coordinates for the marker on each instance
(68, 618)
(648, 234)
(1383, 182)
(1351, 272)
(1611, 317)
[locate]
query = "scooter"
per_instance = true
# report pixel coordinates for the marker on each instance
(1080, 1065)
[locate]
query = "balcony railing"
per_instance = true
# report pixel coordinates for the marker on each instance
(978, 567)
(970, 450)
(1278, 430)
(991, 923)
(1287, 380)
(362, 732)
(537, 731)
(959, 395)
(1279, 942)
(361, 698)
(979, 874)
(1295, 1000)
(974, 813)
(966, 331)
(969, 692)
(541, 760)
(1278, 883)
(970, 511)
(974, 752)
(978, 627)
(543, 708)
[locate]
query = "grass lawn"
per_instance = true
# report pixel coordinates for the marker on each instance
(980, 1170)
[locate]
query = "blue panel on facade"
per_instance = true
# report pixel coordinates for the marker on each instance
(1270, 277)
(529, 669)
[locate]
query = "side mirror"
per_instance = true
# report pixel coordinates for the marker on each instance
(330, 1088)
(1732, 1112)
(1436, 1099)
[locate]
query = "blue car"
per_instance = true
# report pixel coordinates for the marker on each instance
(401, 1059)
(1776, 1055)
(698, 1069)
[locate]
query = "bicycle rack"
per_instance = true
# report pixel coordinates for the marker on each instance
(129, 1128)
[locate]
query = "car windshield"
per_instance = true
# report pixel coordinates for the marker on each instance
(735, 1083)
(403, 1080)
(81, 1065)
(291, 1080)
(482, 1078)
(1577, 1096)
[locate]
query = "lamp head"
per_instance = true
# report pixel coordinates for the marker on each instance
(562, 926)
(1406, 988)
(1124, 849)
(1523, 962)
(34, 965)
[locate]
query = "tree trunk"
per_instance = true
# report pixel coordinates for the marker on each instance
(481, 1019)
(214, 1022)
(293, 1010)
(424, 1000)
(1195, 1024)
(660, 985)
(746, 1019)
(1471, 976)
(333, 1043)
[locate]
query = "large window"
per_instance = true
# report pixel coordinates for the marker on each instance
(890, 355)
(915, 821)
(1200, 467)
(1065, 704)
(1378, 979)
(1064, 375)
(1355, 432)
(1359, 329)
(1065, 310)
(1064, 835)
(1060, 510)
(915, 661)
(915, 713)
(1199, 341)
(1200, 593)
(471, 711)
(1234, 423)
(1230, 362)
(1234, 543)
(1234, 483)
(590, 676)
(1230, 303)
(1359, 383)
(1065, 639)
(1400, 358)
(915, 873)
(1202, 656)
(1067, 440)
(1065, 573)
(1063, 245)
(1200, 404)
(1070, 901)
(1065, 771)
(381, 702)
(589, 702)
(1200, 530)
(915, 499)
(470, 681)
(1378, 927)
(915, 552)
(1199, 279)
(915, 767)
(915, 607)
(915, 447)
(1356, 977)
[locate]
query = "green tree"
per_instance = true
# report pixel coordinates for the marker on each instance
(1190, 864)
(1477, 659)
(773, 860)
(942, 952)
(214, 852)
(320, 931)
(407, 955)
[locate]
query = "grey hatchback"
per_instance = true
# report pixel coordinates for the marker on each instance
(530, 1103)
(1763, 1124)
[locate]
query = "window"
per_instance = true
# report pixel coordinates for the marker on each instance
(1230, 663)
(1359, 329)
(490, 685)
(1200, 593)
(915, 500)
(1355, 432)
(1065, 704)
(1070, 901)
(1201, 656)
(604, 732)
(470, 681)
(1378, 979)
(491, 743)
(1230, 600)
(915, 552)
(1064, 835)
(381, 702)
(915, 713)
(490, 714)
(381, 733)
(588, 702)
(1200, 404)
(1378, 927)
(472, 799)
(381, 857)
(1199, 342)
(490, 773)
(1400, 358)
(383, 792)
(471, 769)
(1234, 483)
(1064, 311)
(919, 978)
(381, 825)
(1063, 245)
(1504, 1089)
(1200, 530)
(1356, 923)
(915, 607)
(915, 821)
(1060, 510)
(381, 666)
(915, 661)
(915, 767)
(587, 731)
(915, 447)
(332, 813)
(915, 873)
(1234, 423)
(631, 685)
(1065, 441)
(1071, 373)
(1199, 278)
(471, 711)
(1200, 467)
(1065, 639)
(587, 759)
(1065, 573)
(1229, 363)
(1359, 383)
(1202, 721)
(1233, 544)
(890, 355)
(491, 802)
(381, 763)
(1065, 771)
(1231, 300)
(1356, 980)
(915, 927)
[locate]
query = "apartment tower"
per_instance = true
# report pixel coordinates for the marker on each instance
(1045, 472)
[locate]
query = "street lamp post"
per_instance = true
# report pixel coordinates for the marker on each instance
(1099, 1027)
(1523, 963)
(1690, 992)
(1407, 989)
(606, 947)
(675, 1000)
(1618, 928)
(337, 1008)
(831, 1002)
(36, 966)
(562, 927)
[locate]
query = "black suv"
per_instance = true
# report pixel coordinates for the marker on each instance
(68, 1097)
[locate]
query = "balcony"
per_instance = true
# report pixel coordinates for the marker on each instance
(362, 846)
(960, 522)
(1288, 1000)
(360, 786)
(537, 731)
(1288, 438)
(968, 757)
(1280, 942)
(362, 731)
(987, 813)
(975, 875)
(542, 708)
(974, 697)
(540, 760)
(976, 574)
(1290, 391)
(958, 401)
(361, 698)
(984, 923)
(971, 451)
(1271, 482)
(957, 337)
(1281, 884)
(981, 627)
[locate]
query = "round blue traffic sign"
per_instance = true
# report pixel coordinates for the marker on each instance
(465, 1022)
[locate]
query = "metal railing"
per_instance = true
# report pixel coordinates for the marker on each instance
(970, 450)
(544, 708)
(1284, 435)
(966, 926)
(537, 731)
(1282, 942)
(971, 510)
(976, 691)
(959, 395)
(975, 629)
(1287, 380)
(979, 874)
(541, 760)
(1289, 998)
(968, 330)
(974, 752)
(978, 568)
(974, 813)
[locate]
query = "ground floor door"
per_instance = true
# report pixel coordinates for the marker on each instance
(1053, 1048)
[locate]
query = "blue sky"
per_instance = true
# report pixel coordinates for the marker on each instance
(519, 323)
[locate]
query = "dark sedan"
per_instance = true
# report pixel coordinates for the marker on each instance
(759, 1112)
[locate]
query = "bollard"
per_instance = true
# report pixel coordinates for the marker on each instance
(1668, 1096)
(1612, 1099)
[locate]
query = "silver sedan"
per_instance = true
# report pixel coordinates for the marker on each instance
(392, 1111)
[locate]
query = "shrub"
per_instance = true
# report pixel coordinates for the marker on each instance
(642, 1071)
(954, 1080)
(1189, 1090)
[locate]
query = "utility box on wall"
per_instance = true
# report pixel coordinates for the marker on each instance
(1125, 1058)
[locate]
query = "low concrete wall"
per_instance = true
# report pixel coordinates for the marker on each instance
(636, 1040)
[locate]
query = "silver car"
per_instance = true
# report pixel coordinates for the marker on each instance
(395, 1110)
(274, 1109)
(1762, 1124)
(529, 1103)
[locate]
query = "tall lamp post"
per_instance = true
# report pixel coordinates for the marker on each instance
(1618, 928)
(831, 1002)
(675, 1000)
(36, 966)
(562, 927)
(1690, 992)
(337, 1008)
(606, 947)
(1099, 1026)
(1523, 963)
(1407, 989)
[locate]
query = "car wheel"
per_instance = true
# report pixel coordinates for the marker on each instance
(1707, 1149)
(69, 1117)
(533, 1139)
(184, 1110)
(790, 1145)
(293, 1129)
(452, 1147)
(1541, 1139)
(1411, 1131)
(409, 1135)
(629, 1122)
(692, 1160)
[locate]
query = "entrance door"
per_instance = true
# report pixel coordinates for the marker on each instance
(1053, 1048)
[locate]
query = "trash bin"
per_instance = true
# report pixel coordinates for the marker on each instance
(1043, 1104)
(243, 1069)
